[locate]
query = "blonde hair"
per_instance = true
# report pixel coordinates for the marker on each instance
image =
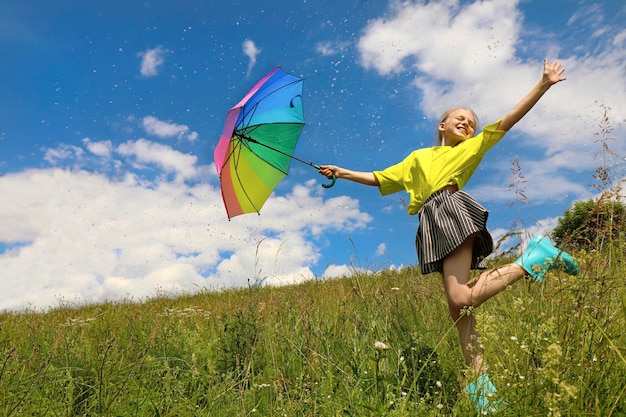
(447, 114)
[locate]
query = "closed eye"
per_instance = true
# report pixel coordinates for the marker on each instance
(469, 122)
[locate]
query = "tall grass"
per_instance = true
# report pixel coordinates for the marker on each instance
(309, 350)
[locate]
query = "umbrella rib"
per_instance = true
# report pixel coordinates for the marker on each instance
(248, 116)
(249, 139)
(253, 108)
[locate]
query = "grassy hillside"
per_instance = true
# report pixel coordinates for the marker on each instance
(557, 348)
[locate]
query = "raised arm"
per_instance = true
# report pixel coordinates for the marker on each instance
(551, 75)
(366, 178)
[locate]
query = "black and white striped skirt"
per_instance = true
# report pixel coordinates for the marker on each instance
(446, 219)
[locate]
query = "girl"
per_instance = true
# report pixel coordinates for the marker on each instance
(452, 237)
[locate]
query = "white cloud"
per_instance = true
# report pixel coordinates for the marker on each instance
(251, 51)
(164, 157)
(325, 48)
(102, 149)
(151, 60)
(442, 39)
(588, 15)
(80, 236)
(329, 48)
(338, 271)
(619, 39)
(156, 127)
(62, 152)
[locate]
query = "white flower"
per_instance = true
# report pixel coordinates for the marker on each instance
(380, 346)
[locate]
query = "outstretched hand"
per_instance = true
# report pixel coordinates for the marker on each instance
(335, 172)
(552, 72)
(329, 170)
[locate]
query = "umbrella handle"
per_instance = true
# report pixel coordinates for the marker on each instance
(332, 181)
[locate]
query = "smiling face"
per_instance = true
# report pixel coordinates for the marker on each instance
(456, 126)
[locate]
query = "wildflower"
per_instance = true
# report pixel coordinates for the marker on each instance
(380, 346)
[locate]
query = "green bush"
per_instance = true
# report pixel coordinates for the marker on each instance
(591, 224)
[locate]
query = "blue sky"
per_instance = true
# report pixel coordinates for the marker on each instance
(111, 110)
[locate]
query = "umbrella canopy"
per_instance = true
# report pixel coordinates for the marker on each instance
(255, 148)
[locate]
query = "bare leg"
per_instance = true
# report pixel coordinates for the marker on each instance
(456, 275)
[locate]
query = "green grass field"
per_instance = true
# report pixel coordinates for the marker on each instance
(557, 348)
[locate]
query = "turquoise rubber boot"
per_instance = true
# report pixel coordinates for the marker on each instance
(541, 256)
(482, 395)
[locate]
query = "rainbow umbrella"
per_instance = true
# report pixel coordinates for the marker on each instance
(256, 147)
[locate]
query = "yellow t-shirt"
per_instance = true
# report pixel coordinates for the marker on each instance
(428, 170)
